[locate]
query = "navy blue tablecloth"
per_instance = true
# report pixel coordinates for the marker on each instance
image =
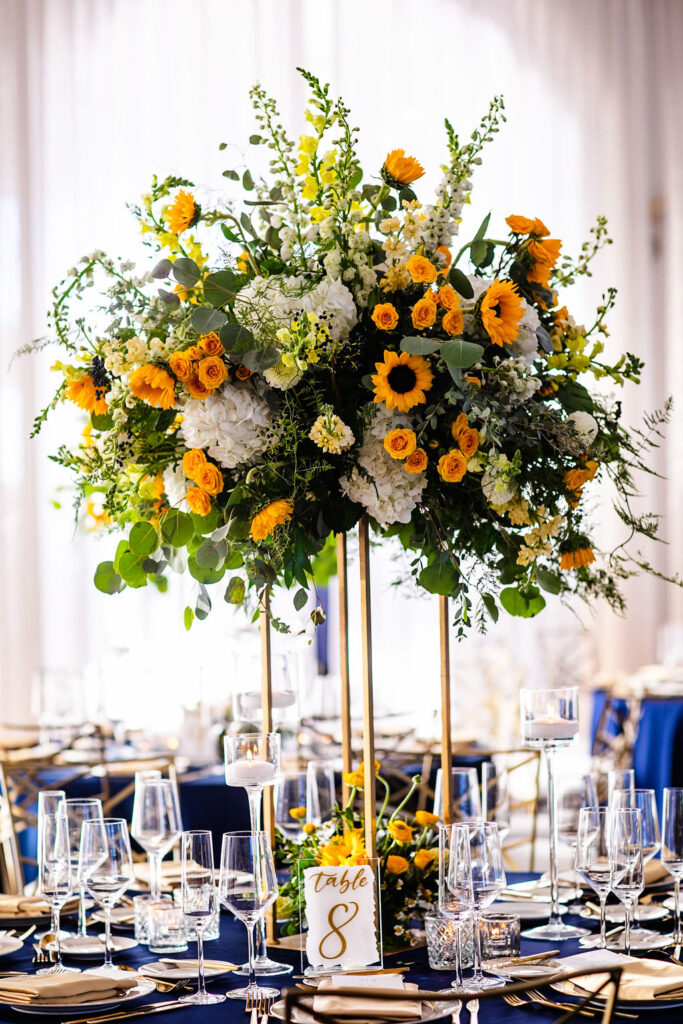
(232, 946)
(658, 753)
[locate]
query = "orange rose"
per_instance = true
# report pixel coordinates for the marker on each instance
(448, 259)
(210, 478)
(199, 501)
(459, 424)
(519, 225)
(539, 274)
(421, 270)
(193, 462)
(539, 228)
(384, 316)
(242, 373)
(468, 441)
(452, 466)
(472, 381)
(181, 365)
(197, 388)
(416, 462)
(193, 352)
(546, 252)
(424, 314)
(453, 322)
(211, 344)
(212, 371)
(400, 443)
(448, 297)
(396, 865)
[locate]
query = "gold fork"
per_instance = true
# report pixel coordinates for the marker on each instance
(513, 1000)
(261, 1004)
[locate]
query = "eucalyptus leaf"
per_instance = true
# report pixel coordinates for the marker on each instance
(186, 272)
(247, 181)
(188, 617)
(234, 593)
(259, 359)
(574, 397)
(461, 354)
(461, 283)
(107, 580)
(479, 251)
(143, 539)
(550, 581)
(300, 599)
(220, 288)
(544, 339)
(439, 578)
(419, 346)
(205, 319)
(236, 338)
(522, 604)
(491, 606)
(177, 528)
(170, 298)
(162, 270)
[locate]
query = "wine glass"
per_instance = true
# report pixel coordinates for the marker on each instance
(199, 901)
(54, 877)
(574, 791)
(646, 802)
(77, 811)
(156, 824)
(296, 803)
(456, 897)
(248, 886)
(672, 848)
(619, 778)
(592, 857)
(488, 879)
(323, 773)
(626, 861)
(495, 797)
(466, 804)
(106, 867)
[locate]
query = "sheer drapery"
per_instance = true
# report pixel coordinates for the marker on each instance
(97, 96)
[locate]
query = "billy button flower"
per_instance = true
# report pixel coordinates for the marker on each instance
(499, 311)
(384, 316)
(400, 170)
(183, 213)
(402, 380)
(399, 831)
(416, 462)
(400, 443)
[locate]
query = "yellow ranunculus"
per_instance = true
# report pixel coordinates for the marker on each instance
(399, 831)
(426, 818)
(356, 779)
(298, 813)
(425, 859)
(396, 865)
(309, 828)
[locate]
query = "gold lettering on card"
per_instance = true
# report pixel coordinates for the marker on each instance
(337, 924)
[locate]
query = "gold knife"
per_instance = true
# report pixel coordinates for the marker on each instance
(145, 1010)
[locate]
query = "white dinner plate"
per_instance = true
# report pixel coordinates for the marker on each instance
(615, 913)
(10, 945)
(430, 1011)
(158, 970)
(568, 989)
(91, 946)
(527, 910)
(143, 988)
(121, 917)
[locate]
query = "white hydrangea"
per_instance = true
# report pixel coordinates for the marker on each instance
(391, 494)
(175, 486)
(232, 426)
(283, 297)
(585, 426)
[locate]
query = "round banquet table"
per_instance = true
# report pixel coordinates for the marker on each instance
(232, 946)
(658, 750)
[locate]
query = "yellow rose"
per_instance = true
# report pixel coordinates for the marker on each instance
(426, 818)
(197, 388)
(399, 831)
(181, 365)
(212, 371)
(424, 314)
(400, 443)
(459, 423)
(425, 858)
(448, 297)
(209, 478)
(444, 251)
(384, 316)
(421, 270)
(468, 441)
(453, 322)
(298, 813)
(211, 344)
(416, 462)
(193, 462)
(199, 501)
(193, 352)
(396, 865)
(519, 225)
(452, 466)
(242, 373)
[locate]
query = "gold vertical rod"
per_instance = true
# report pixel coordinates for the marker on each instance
(369, 807)
(446, 744)
(267, 726)
(342, 575)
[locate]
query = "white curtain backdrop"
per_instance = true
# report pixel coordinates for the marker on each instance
(97, 95)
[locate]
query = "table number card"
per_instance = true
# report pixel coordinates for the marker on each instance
(341, 914)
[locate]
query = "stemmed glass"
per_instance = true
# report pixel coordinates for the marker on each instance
(466, 804)
(645, 801)
(106, 868)
(574, 791)
(248, 886)
(488, 879)
(199, 901)
(76, 812)
(592, 857)
(550, 722)
(626, 861)
(672, 848)
(619, 778)
(252, 760)
(495, 797)
(54, 877)
(296, 803)
(156, 824)
(456, 898)
(323, 774)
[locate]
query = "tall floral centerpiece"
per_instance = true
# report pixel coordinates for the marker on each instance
(329, 350)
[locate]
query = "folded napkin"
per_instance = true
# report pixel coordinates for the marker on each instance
(330, 998)
(641, 980)
(654, 871)
(22, 906)
(63, 988)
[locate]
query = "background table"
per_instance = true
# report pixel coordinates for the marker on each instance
(232, 946)
(658, 753)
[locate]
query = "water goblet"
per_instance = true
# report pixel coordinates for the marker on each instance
(199, 901)
(156, 823)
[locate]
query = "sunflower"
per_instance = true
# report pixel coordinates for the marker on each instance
(576, 559)
(500, 311)
(265, 521)
(182, 213)
(153, 385)
(400, 170)
(401, 380)
(87, 395)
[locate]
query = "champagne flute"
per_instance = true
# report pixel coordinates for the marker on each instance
(672, 848)
(54, 877)
(592, 857)
(199, 901)
(296, 803)
(77, 811)
(156, 824)
(106, 867)
(495, 797)
(574, 791)
(619, 778)
(248, 886)
(323, 774)
(466, 804)
(645, 801)
(626, 861)
(456, 897)
(488, 879)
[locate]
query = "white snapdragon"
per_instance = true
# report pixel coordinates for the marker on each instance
(331, 434)
(498, 482)
(525, 344)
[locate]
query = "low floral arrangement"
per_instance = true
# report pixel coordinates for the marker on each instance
(325, 353)
(408, 858)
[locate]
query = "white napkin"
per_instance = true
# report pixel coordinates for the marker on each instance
(642, 979)
(63, 988)
(330, 998)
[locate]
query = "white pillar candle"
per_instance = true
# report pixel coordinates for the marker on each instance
(280, 699)
(551, 728)
(249, 772)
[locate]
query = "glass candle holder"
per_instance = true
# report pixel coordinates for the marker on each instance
(442, 934)
(166, 922)
(499, 935)
(141, 905)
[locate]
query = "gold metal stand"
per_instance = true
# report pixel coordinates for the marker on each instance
(446, 744)
(369, 806)
(267, 726)
(342, 576)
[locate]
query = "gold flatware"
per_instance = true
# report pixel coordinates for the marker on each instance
(514, 1000)
(27, 933)
(513, 961)
(146, 1010)
(159, 983)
